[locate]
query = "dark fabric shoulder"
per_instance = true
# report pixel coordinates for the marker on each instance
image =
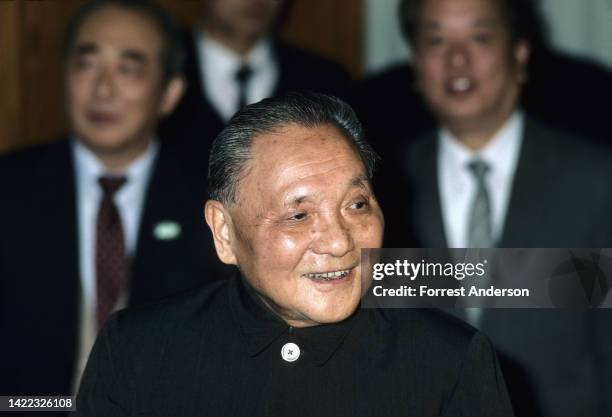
(431, 336)
(171, 311)
(465, 358)
(140, 344)
(398, 73)
(425, 142)
(391, 109)
(33, 168)
(157, 324)
(301, 58)
(22, 161)
(392, 89)
(435, 328)
(584, 159)
(322, 75)
(451, 356)
(569, 142)
(575, 106)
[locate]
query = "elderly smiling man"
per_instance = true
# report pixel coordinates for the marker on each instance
(292, 206)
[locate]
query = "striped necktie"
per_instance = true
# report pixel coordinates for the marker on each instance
(111, 260)
(243, 75)
(480, 233)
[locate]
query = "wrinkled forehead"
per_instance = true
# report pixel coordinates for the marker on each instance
(118, 27)
(293, 146)
(302, 160)
(471, 12)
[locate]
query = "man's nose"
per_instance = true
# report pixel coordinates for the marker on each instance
(334, 237)
(458, 56)
(104, 86)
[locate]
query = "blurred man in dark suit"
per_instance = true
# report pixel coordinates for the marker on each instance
(235, 58)
(106, 217)
(491, 175)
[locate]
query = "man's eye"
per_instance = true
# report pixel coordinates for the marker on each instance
(298, 216)
(130, 69)
(359, 205)
(83, 63)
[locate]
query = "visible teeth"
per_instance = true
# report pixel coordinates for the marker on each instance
(461, 84)
(328, 276)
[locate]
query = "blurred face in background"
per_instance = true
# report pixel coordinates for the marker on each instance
(244, 21)
(115, 87)
(469, 70)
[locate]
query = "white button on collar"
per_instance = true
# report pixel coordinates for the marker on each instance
(290, 352)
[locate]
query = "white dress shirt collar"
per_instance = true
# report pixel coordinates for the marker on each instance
(456, 184)
(495, 153)
(226, 59)
(129, 200)
(89, 167)
(219, 64)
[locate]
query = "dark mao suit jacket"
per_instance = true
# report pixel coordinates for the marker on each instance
(217, 352)
(39, 260)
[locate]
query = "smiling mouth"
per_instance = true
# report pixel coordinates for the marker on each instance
(328, 276)
(459, 85)
(102, 117)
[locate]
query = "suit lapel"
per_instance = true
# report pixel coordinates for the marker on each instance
(282, 60)
(62, 218)
(428, 211)
(173, 205)
(195, 95)
(525, 210)
(156, 207)
(57, 238)
(527, 206)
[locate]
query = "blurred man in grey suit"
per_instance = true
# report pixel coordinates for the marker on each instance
(490, 175)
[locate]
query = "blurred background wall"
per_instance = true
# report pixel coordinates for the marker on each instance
(579, 27)
(361, 34)
(31, 32)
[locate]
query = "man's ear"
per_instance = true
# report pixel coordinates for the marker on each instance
(220, 223)
(417, 84)
(522, 53)
(173, 91)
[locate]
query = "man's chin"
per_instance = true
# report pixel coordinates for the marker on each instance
(111, 146)
(335, 314)
(104, 143)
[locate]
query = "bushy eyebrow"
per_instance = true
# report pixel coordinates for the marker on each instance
(299, 200)
(360, 181)
(129, 54)
(481, 22)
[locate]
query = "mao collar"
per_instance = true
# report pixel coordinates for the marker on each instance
(260, 327)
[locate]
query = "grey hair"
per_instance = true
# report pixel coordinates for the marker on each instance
(231, 150)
